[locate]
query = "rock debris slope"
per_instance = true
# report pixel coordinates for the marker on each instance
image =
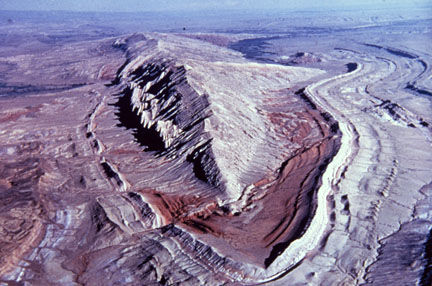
(176, 162)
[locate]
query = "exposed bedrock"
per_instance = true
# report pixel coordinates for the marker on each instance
(190, 165)
(378, 205)
(182, 163)
(262, 152)
(167, 117)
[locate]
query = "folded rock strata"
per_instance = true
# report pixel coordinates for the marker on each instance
(177, 162)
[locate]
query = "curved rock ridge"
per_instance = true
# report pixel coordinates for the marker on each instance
(250, 148)
(191, 166)
(178, 162)
(379, 188)
(185, 103)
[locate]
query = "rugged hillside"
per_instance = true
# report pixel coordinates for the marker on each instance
(155, 159)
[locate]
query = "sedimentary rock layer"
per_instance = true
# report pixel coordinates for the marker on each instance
(171, 161)
(188, 144)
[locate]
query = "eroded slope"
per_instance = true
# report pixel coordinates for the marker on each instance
(189, 162)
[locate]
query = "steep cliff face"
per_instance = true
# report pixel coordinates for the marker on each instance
(167, 116)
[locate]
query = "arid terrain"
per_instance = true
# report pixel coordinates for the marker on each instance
(293, 151)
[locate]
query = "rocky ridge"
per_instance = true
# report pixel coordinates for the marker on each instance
(182, 163)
